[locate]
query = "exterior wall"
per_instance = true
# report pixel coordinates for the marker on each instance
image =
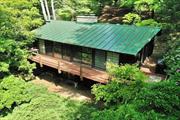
(90, 57)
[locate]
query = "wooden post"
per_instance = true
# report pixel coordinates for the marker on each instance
(81, 75)
(59, 65)
(40, 61)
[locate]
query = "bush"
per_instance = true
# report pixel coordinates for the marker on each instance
(149, 22)
(125, 73)
(155, 101)
(131, 18)
(128, 112)
(13, 92)
(66, 13)
(126, 82)
(162, 97)
(49, 106)
(172, 57)
(124, 112)
(116, 92)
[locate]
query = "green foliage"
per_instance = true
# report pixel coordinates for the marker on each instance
(69, 9)
(66, 14)
(154, 101)
(162, 97)
(51, 107)
(149, 22)
(126, 82)
(131, 18)
(123, 112)
(17, 19)
(172, 57)
(128, 112)
(127, 3)
(115, 92)
(13, 58)
(128, 97)
(125, 73)
(14, 91)
(32, 102)
(147, 5)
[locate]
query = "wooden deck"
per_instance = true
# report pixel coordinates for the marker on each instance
(71, 67)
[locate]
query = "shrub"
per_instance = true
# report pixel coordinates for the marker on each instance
(124, 112)
(125, 73)
(172, 57)
(14, 91)
(162, 97)
(66, 13)
(128, 112)
(116, 92)
(49, 106)
(126, 82)
(131, 18)
(149, 22)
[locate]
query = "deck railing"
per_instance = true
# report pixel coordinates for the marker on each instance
(79, 69)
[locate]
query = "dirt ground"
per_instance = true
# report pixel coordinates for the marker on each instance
(64, 88)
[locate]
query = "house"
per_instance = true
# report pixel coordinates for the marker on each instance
(82, 49)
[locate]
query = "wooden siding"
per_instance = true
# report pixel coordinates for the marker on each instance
(74, 68)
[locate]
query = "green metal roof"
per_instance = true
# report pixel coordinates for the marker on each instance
(126, 39)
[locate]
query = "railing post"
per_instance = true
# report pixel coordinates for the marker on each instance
(81, 70)
(59, 65)
(40, 61)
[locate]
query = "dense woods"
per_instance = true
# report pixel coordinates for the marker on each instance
(128, 96)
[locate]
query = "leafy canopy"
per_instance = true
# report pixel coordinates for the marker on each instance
(17, 19)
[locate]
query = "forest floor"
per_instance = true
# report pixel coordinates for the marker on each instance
(65, 89)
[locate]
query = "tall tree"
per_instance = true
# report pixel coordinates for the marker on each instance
(17, 19)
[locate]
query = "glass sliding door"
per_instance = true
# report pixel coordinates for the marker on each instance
(66, 52)
(100, 59)
(42, 47)
(86, 55)
(57, 50)
(76, 54)
(49, 48)
(113, 57)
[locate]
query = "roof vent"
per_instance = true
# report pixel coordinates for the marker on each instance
(87, 19)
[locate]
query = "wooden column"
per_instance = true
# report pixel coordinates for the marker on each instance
(40, 61)
(81, 72)
(59, 66)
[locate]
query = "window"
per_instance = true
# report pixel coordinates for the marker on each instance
(87, 56)
(113, 57)
(57, 50)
